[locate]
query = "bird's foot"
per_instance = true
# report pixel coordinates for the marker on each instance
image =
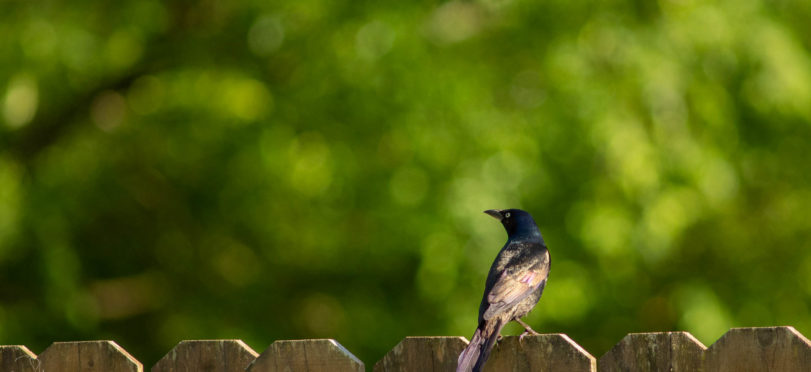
(531, 331)
(527, 332)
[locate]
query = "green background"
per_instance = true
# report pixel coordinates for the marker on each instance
(271, 170)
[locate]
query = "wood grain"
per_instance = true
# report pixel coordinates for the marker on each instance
(664, 351)
(306, 355)
(428, 354)
(87, 356)
(542, 353)
(207, 356)
(17, 358)
(760, 349)
(740, 349)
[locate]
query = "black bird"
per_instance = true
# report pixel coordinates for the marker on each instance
(514, 285)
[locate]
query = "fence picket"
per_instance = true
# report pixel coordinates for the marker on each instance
(87, 356)
(306, 355)
(17, 358)
(547, 352)
(426, 354)
(760, 349)
(663, 351)
(207, 356)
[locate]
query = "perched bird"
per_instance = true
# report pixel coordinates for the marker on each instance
(513, 287)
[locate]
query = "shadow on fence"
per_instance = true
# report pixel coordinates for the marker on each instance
(740, 349)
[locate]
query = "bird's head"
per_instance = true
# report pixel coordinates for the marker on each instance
(518, 223)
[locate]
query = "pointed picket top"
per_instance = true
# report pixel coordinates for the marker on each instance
(547, 352)
(760, 349)
(306, 355)
(660, 351)
(18, 358)
(207, 355)
(87, 356)
(423, 354)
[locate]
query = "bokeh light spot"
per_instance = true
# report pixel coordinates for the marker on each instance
(40, 40)
(236, 263)
(21, 100)
(455, 21)
(108, 110)
(408, 185)
(247, 99)
(146, 95)
(124, 48)
(664, 220)
(436, 276)
(702, 314)
(374, 40)
(526, 89)
(567, 299)
(606, 229)
(322, 315)
(266, 35)
(311, 170)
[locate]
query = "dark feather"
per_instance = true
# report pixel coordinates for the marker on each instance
(514, 285)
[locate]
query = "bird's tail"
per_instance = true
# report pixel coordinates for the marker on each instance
(471, 352)
(477, 351)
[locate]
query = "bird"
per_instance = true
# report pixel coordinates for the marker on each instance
(513, 287)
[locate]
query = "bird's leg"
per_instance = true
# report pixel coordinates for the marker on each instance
(527, 330)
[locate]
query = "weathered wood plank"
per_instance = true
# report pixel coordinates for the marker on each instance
(426, 354)
(306, 355)
(547, 352)
(207, 356)
(760, 349)
(88, 356)
(17, 358)
(664, 351)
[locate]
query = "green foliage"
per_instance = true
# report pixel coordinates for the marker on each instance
(289, 169)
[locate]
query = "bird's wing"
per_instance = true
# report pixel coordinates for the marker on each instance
(515, 284)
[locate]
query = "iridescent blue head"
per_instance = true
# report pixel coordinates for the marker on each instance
(519, 224)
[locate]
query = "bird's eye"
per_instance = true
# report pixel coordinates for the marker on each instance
(507, 215)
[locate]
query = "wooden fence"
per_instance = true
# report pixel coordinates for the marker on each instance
(741, 349)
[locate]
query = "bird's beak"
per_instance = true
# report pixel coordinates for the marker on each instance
(495, 214)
